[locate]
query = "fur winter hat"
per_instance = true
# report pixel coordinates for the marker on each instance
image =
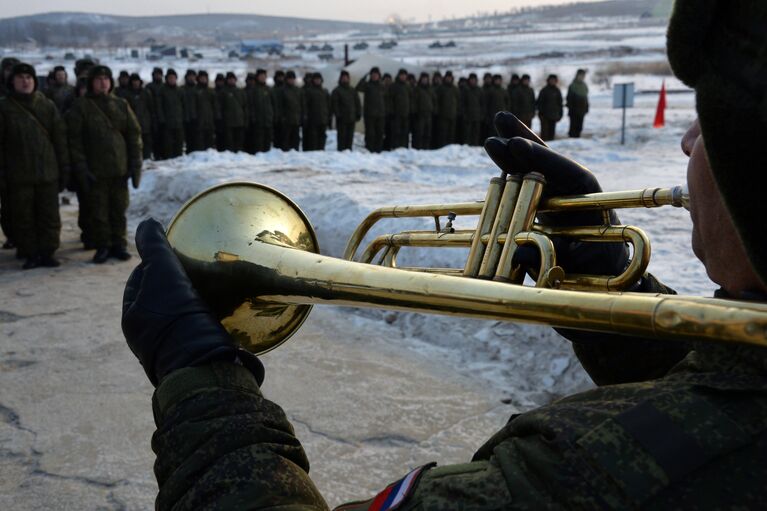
(22, 68)
(719, 48)
(100, 70)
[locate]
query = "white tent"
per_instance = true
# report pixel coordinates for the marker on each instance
(362, 65)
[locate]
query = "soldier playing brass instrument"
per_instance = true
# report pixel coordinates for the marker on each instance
(671, 426)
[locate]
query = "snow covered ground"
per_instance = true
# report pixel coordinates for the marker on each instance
(337, 190)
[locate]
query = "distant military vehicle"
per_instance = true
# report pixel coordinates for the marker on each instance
(361, 46)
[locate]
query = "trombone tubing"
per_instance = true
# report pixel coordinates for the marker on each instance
(295, 276)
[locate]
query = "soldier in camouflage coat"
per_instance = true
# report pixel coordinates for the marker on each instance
(671, 426)
(106, 152)
(34, 166)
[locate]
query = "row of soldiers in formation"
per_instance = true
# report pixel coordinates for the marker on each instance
(427, 113)
(94, 148)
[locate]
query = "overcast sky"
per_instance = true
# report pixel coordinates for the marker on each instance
(357, 10)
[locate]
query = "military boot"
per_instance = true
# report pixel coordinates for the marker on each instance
(119, 252)
(49, 261)
(101, 255)
(31, 262)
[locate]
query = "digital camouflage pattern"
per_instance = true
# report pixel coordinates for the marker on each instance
(693, 438)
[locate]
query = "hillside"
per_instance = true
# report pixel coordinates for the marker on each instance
(84, 29)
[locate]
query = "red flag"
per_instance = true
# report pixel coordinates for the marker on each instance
(660, 113)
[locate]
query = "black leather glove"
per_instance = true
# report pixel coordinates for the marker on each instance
(518, 151)
(166, 323)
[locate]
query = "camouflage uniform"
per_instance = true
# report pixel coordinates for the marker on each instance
(683, 440)
(399, 97)
(291, 115)
(170, 117)
(472, 106)
(425, 105)
(140, 101)
(316, 110)
(191, 134)
(448, 99)
(234, 111)
(523, 104)
(34, 165)
(550, 110)
(261, 110)
(207, 113)
(105, 147)
(347, 109)
(374, 112)
(577, 106)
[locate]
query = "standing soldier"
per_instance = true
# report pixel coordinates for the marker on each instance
(154, 89)
(61, 93)
(523, 102)
(487, 129)
(515, 81)
(374, 109)
(347, 109)
(399, 97)
(140, 100)
(219, 86)
(6, 66)
(496, 100)
(290, 102)
(550, 108)
(472, 106)
(206, 113)
(170, 116)
(105, 145)
(387, 83)
(424, 104)
(34, 166)
(123, 85)
(577, 103)
(189, 93)
(234, 111)
(279, 82)
(463, 83)
(250, 84)
(261, 110)
(316, 114)
(447, 111)
(436, 83)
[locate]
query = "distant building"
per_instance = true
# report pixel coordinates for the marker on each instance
(261, 46)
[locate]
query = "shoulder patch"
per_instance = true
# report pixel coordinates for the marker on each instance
(393, 496)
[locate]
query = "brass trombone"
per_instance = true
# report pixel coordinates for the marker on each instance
(254, 257)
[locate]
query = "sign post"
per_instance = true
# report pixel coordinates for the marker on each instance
(623, 97)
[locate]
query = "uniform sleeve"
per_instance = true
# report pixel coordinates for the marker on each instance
(614, 359)
(221, 445)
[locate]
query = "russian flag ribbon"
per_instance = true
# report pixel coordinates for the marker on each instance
(393, 495)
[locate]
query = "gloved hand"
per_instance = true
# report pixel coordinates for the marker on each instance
(166, 323)
(134, 174)
(518, 150)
